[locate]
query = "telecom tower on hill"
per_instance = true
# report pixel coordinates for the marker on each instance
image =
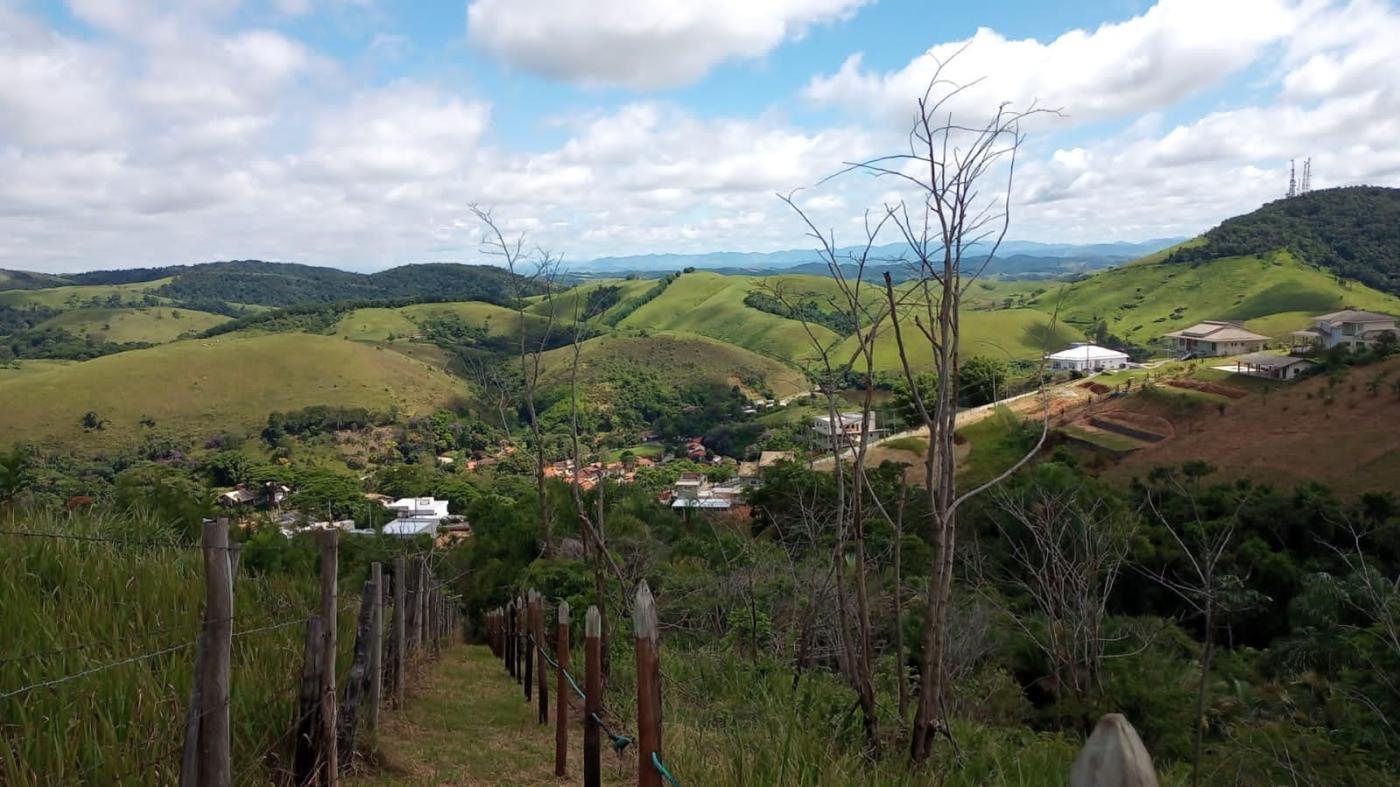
(1296, 187)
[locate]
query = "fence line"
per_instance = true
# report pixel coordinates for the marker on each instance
(207, 741)
(515, 633)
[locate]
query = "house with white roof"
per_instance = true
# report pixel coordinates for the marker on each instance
(1210, 338)
(1350, 328)
(418, 506)
(1086, 357)
(844, 429)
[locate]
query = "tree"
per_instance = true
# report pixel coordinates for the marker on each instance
(91, 421)
(983, 380)
(950, 166)
(15, 474)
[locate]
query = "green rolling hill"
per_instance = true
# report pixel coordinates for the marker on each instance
(1273, 293)
(197, 388)
(156, 325)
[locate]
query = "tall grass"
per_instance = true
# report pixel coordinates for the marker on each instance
(69, 606)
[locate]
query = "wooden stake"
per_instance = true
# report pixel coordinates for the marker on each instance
(531, 610)
(357, 682)
(510, 638)
(541, 648)
(308, 710)
(400, 634)
(648, 687)
(561, 699)
(330, 565)
(376, 645)
(519, 639)
(593, 689)
(214, 741)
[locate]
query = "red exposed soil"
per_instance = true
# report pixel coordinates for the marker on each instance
(1213, 388)
(1095, 388)
(1341, 436)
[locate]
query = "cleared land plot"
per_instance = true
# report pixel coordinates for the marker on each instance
(1290, 434)
(76, 295)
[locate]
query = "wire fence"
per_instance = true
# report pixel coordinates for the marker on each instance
(529, 648)
(430, 608)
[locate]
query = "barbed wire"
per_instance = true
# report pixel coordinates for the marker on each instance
(92, 644)
(165, 544)
(84, 673)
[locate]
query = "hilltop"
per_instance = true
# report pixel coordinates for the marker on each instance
(1354, 232)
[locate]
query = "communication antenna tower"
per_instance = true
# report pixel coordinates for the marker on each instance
(1292, 179)
(1307, 175)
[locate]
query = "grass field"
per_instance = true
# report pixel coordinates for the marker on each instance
(72, 296)
(375, 325)
(573, 301)
(1276, 294)
(157, 324)
(28, 366)
(198, 388)
(680, 358)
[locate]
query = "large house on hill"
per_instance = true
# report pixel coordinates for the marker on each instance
(1350, 328)
(1217, 337)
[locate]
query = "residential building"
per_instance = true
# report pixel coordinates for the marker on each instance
(843, 430)
(1272, 366)
(1086, 357)
(1217, 337)
(418, 507)
(1350, 328)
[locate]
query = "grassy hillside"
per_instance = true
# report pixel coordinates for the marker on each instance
(1352, 232)
(77, 295)
(713, 305)
(194, 389)
(575, 300)
(680, 358)
(1276, 292)
(28, 280)
(156, 325)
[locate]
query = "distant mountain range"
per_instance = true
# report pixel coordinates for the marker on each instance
(1014, 258)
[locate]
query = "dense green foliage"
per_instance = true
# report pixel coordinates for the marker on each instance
(805, 309)
(1353, 231)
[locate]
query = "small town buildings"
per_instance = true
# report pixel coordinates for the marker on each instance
(843, 430)
(1210, 338)
(1087, 357)
(1350, 328)
(262, 495)
(1272, 366)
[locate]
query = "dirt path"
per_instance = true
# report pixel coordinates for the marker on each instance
(467, 723)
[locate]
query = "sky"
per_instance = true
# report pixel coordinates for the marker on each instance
(358, 133)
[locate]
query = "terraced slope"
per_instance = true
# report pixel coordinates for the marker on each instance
(197, 388)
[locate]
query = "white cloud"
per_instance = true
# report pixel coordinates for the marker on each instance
(643, 44)
(1174, 49)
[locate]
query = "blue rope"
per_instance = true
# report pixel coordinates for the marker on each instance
(665, 774)
(619, 742)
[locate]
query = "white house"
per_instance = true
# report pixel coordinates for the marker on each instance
(844, 429)
(1086, 357)
(1217, 337)
(1272, 366)
(1350, 328)
(418, 507)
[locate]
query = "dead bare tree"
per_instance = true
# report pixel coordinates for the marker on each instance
(1067, 549)
(947, 166)
(1203, 585)
(529, 270)
(862, 310)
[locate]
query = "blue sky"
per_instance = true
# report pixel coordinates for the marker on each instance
(357, 133)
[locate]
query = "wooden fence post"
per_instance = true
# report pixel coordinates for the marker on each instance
(561, 700)
(214, 674)
(510, 637)
(330, 565)
(520, 644)
(420, 620)
(531, 609)
(541, 650)
(376, 644)
(308, 710)
(648, 687)
(400, 628)
(357, 682)
(593, 691)
(194, 714)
